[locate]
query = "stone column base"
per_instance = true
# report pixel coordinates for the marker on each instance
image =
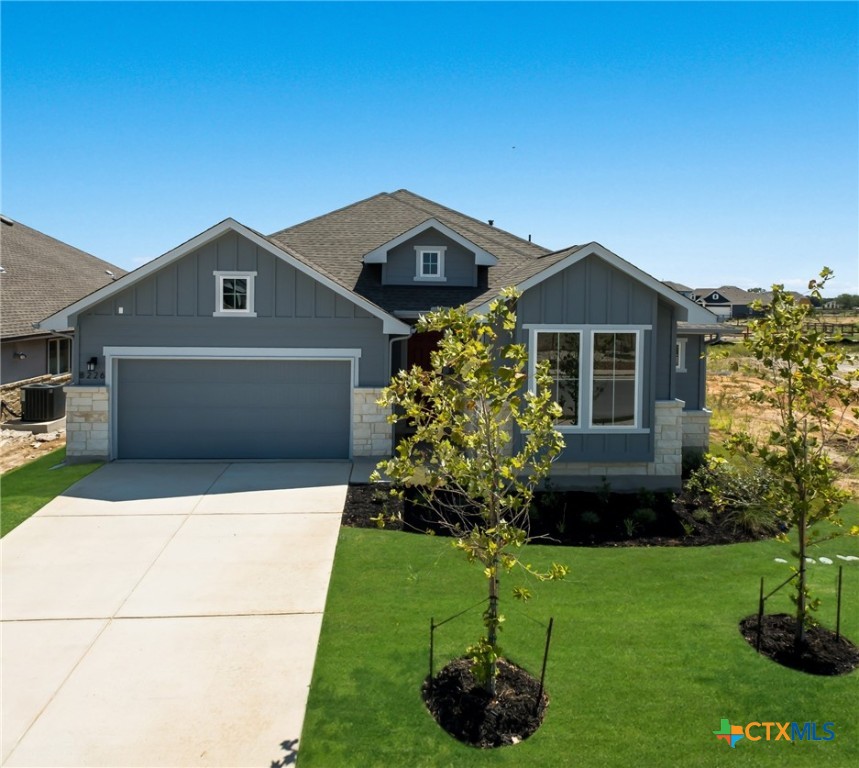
(87, 426)
(372, 435)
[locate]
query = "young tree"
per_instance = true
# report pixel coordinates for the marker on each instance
(460, 461)
(806, 385)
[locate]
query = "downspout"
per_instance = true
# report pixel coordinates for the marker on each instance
(391, 345)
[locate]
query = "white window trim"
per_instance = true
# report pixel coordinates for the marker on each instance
(420, 250)
(680, 352)
(220, 276)
(638, 383)
(532, 364)
(58, 342)
(586, 346)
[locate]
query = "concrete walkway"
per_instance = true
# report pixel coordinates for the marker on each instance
(167, 615)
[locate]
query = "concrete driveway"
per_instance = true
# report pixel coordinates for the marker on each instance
(167, 614)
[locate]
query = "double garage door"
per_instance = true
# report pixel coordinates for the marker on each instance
(233, 409)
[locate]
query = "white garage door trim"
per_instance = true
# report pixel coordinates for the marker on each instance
(112, 356)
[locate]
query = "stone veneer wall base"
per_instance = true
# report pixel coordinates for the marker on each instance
(87, 427)
(372, 435)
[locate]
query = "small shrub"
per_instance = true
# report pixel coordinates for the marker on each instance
(693, 459)
(630, 527)
(644, 516)
(720, 496)
(590, 519)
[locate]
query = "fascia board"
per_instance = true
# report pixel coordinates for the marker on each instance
(62, 319)
(380, 255)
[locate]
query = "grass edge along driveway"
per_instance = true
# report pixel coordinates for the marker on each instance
(26, 489)
(646, 656)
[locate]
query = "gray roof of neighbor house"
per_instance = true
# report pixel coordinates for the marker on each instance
(732, 293)
(42, 275)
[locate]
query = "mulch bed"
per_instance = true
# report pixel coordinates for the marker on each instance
(466, 711)
(824, 654)
(364, 504)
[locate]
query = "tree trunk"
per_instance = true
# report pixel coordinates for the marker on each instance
(492, 624)
(799, 636)
(802, 532)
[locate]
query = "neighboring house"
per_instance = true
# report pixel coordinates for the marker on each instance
(730, 302)
(39, 275)
(235, 345)
(727, 302)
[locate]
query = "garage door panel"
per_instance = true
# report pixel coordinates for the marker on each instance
(233, 409)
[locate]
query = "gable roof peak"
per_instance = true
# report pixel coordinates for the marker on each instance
(325, 215)
(415, 201)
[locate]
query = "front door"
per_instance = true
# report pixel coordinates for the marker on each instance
(419, 348)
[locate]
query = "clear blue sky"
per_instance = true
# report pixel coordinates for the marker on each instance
(707, 143)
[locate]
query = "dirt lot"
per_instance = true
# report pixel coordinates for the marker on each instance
(727, 396)
(17, 448)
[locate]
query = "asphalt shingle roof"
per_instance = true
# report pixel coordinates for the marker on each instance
(41, 275)
(733, 294)
(336, 243)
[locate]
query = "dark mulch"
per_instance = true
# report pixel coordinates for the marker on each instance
(366, 502)
(465, 710)
(824, 654)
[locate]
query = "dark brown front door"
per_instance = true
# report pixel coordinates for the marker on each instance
(419, 348)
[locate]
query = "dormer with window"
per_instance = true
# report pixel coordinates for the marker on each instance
(430, 253)
(430, 263)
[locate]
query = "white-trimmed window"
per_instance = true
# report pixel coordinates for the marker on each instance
(429, 263)
(234, 294)
(59, 356)
(562, 351)
(596, 374)
(680, 356)
(614, 389)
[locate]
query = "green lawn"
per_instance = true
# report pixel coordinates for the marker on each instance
(646, 657)
(27, 489)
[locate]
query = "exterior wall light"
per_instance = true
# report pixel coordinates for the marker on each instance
(91, 364)
(19, 355)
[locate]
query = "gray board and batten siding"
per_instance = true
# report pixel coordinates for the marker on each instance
(593, 293)
(460, 268)
(692, 383)
(174, 307)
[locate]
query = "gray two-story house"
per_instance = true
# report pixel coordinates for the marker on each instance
(236, 345)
